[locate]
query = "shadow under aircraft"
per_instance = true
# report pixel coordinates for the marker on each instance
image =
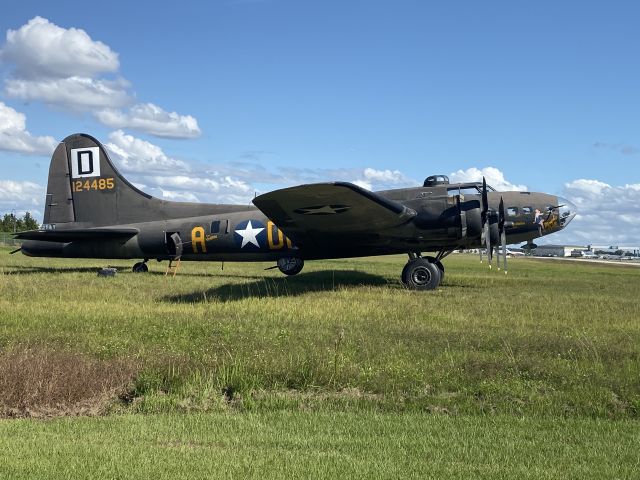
(319, 281)
(92, 211)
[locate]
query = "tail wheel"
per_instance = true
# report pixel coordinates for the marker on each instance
(420, 274)
(290, 265)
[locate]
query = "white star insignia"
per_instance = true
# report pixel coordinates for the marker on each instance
(249, 235)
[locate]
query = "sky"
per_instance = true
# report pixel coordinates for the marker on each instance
(217, 101)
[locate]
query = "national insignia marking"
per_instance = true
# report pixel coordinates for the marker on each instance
(323, 210)
(249, 234)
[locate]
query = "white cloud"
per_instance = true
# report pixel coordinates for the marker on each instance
(75, 93)
(21, 196)
(204, 185)
(368, 178)
(43, 49)
(607, 215)
(587, 187)
(372, 179)
(15, 137)
(139, 156)
(176, 196)
(174, 179)
(494, 177)
(150, 118)
(66, 68)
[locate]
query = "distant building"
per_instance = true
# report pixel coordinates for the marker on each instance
(616, 250)
(556, 250)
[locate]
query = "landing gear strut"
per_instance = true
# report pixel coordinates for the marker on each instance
(290, 265)
(141, 267)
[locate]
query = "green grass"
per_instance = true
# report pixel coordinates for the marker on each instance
(547, 339)
(305, 445)
(339, 371)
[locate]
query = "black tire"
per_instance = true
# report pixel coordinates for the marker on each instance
(290, 265)
(438, 264)
(420, 274)
(140, 267)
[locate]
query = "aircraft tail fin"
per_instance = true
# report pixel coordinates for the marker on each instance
(85, 187)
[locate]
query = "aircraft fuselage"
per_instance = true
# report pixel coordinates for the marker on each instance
(248, 235)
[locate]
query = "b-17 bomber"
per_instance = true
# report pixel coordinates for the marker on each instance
(92, 211)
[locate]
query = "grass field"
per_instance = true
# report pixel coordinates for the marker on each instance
(535, 371)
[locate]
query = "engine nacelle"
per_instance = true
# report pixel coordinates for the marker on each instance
(450, 218)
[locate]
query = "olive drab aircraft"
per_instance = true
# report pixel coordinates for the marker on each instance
(92, 211)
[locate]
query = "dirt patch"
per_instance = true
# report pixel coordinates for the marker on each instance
(40, 382)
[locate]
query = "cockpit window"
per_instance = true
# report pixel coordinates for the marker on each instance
(512, 211)
(469, 189)
(463, 191)
(527, 210)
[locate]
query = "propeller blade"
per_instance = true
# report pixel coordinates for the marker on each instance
(485, 199)
(503, 240)
(487, 237)
(15, 251)
(500, 232)
(503, 233)
(485, 220)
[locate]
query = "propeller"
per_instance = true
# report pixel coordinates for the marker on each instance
(15, 251)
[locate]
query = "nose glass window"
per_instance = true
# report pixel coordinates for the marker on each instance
(565, 214)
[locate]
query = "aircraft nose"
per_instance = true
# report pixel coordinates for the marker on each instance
(567, 211)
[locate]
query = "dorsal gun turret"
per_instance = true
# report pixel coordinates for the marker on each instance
(434, 180)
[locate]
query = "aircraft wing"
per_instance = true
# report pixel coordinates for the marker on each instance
(77, 234)
(310, 214)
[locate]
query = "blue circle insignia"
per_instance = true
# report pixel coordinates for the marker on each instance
(250, 235)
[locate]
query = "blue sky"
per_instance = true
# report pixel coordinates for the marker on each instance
(212, 101)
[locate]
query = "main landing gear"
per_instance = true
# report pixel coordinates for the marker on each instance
(423, 273)
(290, 265)
(141, 267)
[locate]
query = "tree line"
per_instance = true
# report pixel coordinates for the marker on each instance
(11, 223)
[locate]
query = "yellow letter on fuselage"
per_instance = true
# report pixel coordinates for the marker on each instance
(274, 245)
(197, 238)
(281, 237)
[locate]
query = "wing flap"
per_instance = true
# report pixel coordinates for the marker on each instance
(77, 234)
(307, 212)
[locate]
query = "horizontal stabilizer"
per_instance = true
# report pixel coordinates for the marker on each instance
(309, 213)
(77, 234)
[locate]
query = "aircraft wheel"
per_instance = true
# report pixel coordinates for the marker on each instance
(140, 267)
(420, 274)
(290, 265)
(438, 264)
